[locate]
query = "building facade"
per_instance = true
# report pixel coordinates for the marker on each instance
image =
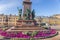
(11, 20)
(53, 20)
(8, 20)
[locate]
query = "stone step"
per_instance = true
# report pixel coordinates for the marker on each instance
(29, 28)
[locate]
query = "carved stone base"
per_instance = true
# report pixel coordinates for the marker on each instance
(26, 23)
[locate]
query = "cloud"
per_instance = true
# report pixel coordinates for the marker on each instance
(8, 5)
(4, 6)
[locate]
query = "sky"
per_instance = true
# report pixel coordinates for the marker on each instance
(41, 7)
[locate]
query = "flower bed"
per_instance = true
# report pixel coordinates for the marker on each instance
(40, 34)
(46, 34)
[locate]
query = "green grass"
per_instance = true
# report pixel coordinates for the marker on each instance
(18, 39)
(24, 39)
(1, 37)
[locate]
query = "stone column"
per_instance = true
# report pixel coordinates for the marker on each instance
(26, 5)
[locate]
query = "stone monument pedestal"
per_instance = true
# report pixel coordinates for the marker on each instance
(26, 23)
(26, 20)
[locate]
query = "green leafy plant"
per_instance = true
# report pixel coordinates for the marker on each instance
(32, 34)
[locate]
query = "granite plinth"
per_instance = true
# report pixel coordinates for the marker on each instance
(26, 23)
